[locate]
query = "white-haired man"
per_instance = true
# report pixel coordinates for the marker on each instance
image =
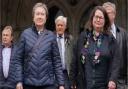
(65, 44)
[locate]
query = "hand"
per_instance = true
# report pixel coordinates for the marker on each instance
(111, 85)
(61, 87)
(19, 86)
(73, 87)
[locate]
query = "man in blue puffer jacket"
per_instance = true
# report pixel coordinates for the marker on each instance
(38, 59)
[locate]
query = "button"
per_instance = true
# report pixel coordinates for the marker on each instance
(93, 82)
(93, 70)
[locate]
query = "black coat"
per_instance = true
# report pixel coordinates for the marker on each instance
(11, 80)
(79, 70)
(121, 40)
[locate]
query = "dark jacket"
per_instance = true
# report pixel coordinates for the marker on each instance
(80, 71)
(38, 67)
(69, 42)
(127, 59)
(121, 40)
(11, 80)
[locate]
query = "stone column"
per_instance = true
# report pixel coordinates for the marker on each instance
(127, 14)
(127, 42)
(121, 17)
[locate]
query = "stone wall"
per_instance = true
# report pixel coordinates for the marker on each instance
(18, 13)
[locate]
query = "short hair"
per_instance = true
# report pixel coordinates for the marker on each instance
(42, 5)
(10, 28)
(89, 24)
(109, 4)
(61, 18)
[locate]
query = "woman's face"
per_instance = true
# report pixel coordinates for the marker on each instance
(39, 17)
(98, 20)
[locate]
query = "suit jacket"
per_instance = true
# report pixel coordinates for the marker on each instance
(69, 42)
(68, 50)
(11, 80)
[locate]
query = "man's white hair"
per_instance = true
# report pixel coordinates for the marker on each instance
(109, 4)
(61, 18)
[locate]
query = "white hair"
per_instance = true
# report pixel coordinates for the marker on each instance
(109, 4)
(61, 18)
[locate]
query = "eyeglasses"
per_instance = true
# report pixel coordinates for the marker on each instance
(98, 17)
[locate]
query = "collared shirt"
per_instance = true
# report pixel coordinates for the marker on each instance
(6, 54)
(62, 40)
(40, 32)
(113, 30)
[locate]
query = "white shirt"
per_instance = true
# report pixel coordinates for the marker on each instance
(6, 54)
(113, 30)
(63, 49)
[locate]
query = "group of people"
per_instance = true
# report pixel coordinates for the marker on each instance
(42, 59)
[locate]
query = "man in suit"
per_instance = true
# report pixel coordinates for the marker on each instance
(7, 53)
(120, 36)
(65, 44)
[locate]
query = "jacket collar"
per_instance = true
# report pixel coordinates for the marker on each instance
(35, 30)
(117, 28)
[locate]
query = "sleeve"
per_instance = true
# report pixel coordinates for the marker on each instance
(127, 58)
(76, 73)
(115, 62)
(19, 58)
(57, 63)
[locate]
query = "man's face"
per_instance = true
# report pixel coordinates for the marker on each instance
(111, 13)
(7, 37)
(39, 16)
(60, 27)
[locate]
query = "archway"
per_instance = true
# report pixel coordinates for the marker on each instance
(53, 13)
(84, 18)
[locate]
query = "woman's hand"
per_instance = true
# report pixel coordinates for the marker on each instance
(73, 87)
(19, 86)
(111, 85)
(61, 87)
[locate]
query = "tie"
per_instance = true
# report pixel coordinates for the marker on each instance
(113, 32)
(60, 50)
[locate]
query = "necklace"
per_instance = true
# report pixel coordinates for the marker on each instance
(98, 42)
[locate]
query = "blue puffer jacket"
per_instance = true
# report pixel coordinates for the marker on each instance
(11, 80)
(41, 66)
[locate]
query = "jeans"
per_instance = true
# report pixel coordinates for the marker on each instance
(6, 88)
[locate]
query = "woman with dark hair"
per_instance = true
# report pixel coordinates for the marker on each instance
(96, 53)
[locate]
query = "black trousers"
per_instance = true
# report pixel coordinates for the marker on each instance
(39, 87)
(66, 80)
(6, 88)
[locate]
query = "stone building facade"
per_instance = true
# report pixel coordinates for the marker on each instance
(18, 13)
